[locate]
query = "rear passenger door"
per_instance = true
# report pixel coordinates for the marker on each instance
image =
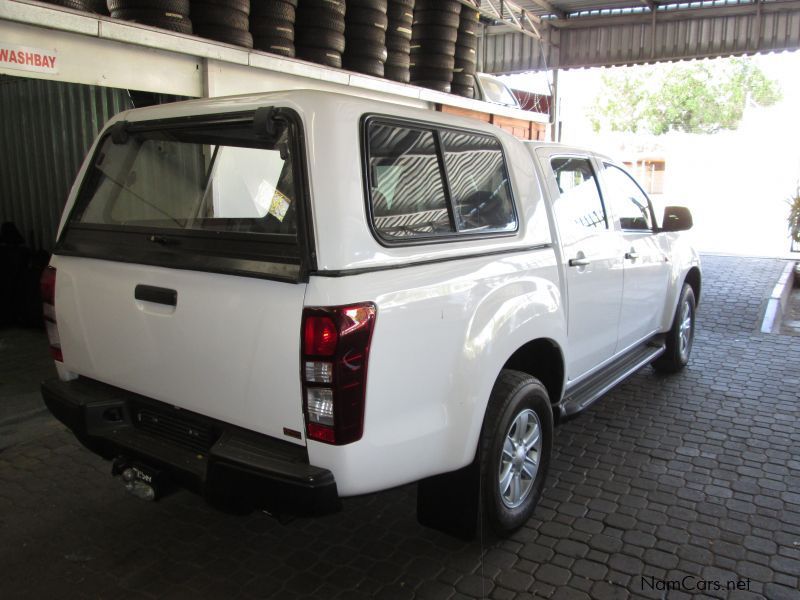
(592, 259)
(647, 270)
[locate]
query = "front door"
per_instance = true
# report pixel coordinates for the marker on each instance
(592, 259)
(647, 268)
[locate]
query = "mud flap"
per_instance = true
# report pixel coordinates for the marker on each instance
(450, 502)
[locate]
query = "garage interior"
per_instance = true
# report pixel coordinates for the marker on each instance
(665, 478)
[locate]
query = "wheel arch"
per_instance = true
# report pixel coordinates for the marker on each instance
(694, 279)
(543, 359)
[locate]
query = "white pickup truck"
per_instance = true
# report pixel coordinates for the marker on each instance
(288, 298)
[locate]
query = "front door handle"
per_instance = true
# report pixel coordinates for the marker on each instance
(579, 262)
(631, 255)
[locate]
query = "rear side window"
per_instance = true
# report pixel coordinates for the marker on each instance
(407, 187)
(426, 182)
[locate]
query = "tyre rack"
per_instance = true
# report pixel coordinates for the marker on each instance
(97, 50)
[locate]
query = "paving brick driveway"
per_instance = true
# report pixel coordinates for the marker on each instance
(666, 477)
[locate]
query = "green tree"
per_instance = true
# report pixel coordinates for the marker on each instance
(694, 97)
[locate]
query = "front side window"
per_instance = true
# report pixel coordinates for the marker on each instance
(209, 178)
(630, 204)
(431, 183)
(579, 205)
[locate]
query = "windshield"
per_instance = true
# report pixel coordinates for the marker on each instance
(217, 178)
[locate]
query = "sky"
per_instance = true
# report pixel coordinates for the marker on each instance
(735, 182)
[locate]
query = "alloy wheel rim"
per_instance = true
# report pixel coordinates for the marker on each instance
(685, 332)
(519, 458)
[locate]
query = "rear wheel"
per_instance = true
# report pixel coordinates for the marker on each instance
(680, 337)
(516, 444)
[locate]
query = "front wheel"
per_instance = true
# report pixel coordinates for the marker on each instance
(516, 443)
(680, 337)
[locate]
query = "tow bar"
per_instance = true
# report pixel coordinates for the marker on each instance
(141, 481)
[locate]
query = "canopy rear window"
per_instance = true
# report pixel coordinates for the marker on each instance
(222, 193)
(209, 178)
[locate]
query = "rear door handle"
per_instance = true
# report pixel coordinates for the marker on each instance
(631, 255)
(159, 295)
(579, 262)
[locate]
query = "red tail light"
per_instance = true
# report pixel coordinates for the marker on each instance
(335, 353)
(48, 287)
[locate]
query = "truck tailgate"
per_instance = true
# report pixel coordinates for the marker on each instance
(229, 348)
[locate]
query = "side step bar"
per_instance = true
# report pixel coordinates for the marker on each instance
(586, 392)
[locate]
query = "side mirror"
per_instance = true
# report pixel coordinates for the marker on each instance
(676, 218)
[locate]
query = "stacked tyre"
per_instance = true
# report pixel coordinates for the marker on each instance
(319, 34)
(223, 20)
(365, 27)
(272, 23)
(466, 53)
(92, 6)
(398, 40)
(166, 14)
(433, 43)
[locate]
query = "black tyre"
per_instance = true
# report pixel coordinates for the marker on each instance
(268, 28)
(240, 5)
(328, 21)
(468, 68)
(439, 86)
(219, 16)
(515, 448)
(469, 28)
(398, 60)
(420, 46)
(310, 6)
(465, 53)
(400, 11)
(366, 33)
(313, 37)
(449, 5)
(433, 61)
(434, 32)
(366, 52)
(279, 46)
(177, 6)
(463, 79)
(329, 58)
(281, 11)
(366, 16)
(445, 75)
(398, 44)
(680, 338)
(396, 73)
(381, 5)
(467, 41)
(73, 4)
(400, 30)
(436, 17)
(364, 65)
(229, 35)
(467, 91)
(169, 21)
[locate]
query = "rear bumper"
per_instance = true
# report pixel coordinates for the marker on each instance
(217, 460)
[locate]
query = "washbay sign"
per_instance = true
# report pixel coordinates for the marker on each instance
(26, 58)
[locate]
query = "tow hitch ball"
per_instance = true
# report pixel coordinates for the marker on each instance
(140, 480)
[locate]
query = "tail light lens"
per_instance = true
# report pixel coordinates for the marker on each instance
(335, 353)
(48, 287)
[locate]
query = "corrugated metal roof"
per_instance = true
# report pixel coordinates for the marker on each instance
(588, 33)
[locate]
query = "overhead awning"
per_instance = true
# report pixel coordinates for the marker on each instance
(530, 35)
